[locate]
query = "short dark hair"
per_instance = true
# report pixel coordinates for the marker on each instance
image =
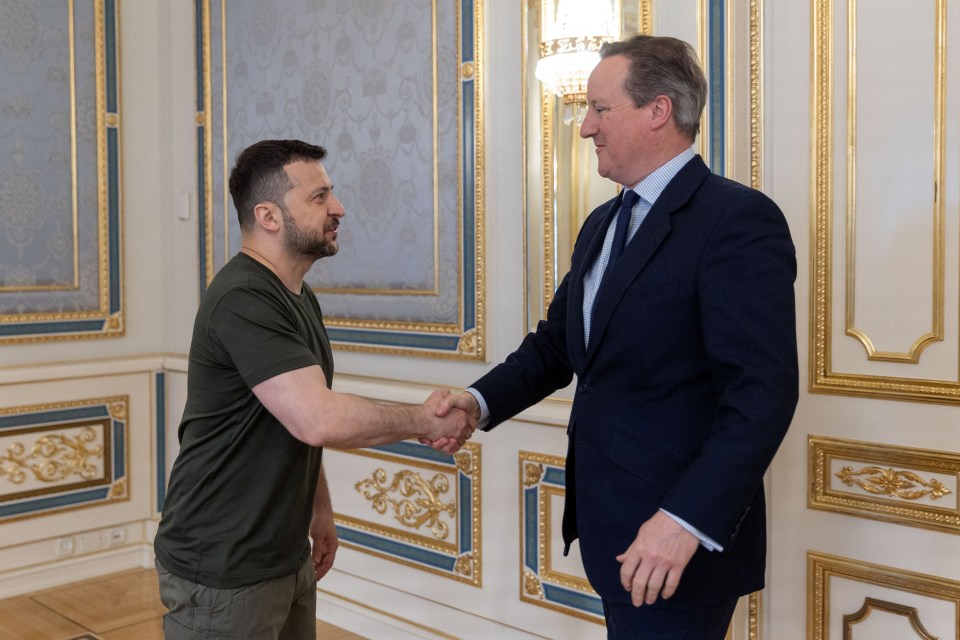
(259, 174)
(661, 65)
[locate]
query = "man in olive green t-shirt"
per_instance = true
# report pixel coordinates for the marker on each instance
(247, 488)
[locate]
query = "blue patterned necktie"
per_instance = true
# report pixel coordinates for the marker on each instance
(630, 198)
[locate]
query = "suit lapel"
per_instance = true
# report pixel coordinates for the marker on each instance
(638, 252)
(580, 267)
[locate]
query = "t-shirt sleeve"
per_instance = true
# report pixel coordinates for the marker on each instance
(257, 330)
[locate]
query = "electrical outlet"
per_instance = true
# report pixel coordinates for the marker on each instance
(90, 541)
(65, 546)
(116, 537)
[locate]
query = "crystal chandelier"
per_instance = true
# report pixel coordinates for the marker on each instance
(570, 49)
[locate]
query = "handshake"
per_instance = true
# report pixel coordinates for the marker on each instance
(449, 420)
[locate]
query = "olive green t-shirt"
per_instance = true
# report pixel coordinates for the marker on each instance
(240, 497)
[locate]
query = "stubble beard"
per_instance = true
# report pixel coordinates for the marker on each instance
(300, 242)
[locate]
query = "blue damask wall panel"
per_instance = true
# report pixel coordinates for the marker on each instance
(391, 89)
(60, 218)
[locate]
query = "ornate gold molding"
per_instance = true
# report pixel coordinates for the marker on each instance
(890, 482)
(417, 503)
(532, 585)
(420, 504)
(542, 482)
(754, 615)
(98, 311)
(823, 568)
(418, 334)
(850, 620)
(756, 94)
(897, 483)
(52, 458)
(532, 472)
(77, 451)
(822, 376)
(464, 565)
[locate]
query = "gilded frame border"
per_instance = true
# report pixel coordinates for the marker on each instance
(822, 377)
(822, 567)
(107, 319)
(543, 477)
(879, 475)
(462, 340)
(114, 411)
(461, 561)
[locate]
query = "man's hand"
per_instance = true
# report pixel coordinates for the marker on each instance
(653, 564)
(449, 426)
(325, 542)
(464, 401)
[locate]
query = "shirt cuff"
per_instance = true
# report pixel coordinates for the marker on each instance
(707, 542)
(484, 420)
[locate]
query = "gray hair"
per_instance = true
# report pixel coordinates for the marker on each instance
(664, 66)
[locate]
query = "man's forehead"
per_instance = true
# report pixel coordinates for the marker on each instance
(307, 172)
(607, 77)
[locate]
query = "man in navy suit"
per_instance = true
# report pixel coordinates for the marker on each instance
(684, 347)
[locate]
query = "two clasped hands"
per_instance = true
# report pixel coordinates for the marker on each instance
(451, 420)
(652, 565)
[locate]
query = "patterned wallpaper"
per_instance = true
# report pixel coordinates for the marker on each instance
(378, 84)
(59, 148)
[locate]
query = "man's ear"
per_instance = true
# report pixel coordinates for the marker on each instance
(267, 216)
(662, 111)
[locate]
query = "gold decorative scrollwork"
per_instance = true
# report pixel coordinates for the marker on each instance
(424, 509)
(118, 410)
(890, 482)
(118, 490)
(468, 342)
(531, 584)
(532, 474)
(464, 461)
(52, 458)
(464, 565)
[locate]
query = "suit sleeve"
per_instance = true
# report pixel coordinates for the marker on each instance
(745, 283)
(538, 367)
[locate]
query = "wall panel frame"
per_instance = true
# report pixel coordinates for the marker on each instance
(60, 194)
(883, 283)
(404, 131)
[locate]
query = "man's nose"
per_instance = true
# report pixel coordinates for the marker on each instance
(587, 127)
(337, 209)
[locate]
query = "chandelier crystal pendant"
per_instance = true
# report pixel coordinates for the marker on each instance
(570, 49)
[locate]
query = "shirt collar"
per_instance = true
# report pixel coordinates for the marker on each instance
(653, 185)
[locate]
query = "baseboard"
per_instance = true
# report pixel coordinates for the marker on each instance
(379, 612)
(56, 573)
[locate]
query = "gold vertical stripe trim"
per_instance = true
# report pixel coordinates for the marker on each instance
(73, 143)
(460, 191)
(912, 355)
(646, 16)
(209, 267)
(821, 196)
(728, 83)
(524, 236)
(103, 204)
(479, 196)
(226, 138)
(702, 43)
(756, 94)
(436, 159)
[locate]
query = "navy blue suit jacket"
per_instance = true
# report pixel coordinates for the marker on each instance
(688, 384)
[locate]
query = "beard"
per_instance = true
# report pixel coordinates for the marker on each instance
(301, 242)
